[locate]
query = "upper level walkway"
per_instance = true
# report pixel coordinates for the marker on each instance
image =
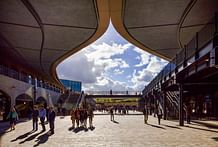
(113, 94)
(125, 131)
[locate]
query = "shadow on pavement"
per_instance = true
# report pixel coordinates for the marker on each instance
(206, 124)
(201, 129)
(62, 117)
(156, 126)
(91, 128)
(30, 137)
(4, 125)
(42, 139)
(215, 138)
(172, 127)
(70, 129)
(22, 136)
(116, 122)
(78, 129)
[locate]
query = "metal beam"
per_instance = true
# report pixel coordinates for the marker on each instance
(181, 117)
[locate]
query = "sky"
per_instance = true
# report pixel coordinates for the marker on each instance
(111, 63)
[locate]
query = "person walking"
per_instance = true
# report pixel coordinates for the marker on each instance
(35, 115)
(51, 119)
(85, 115)
(42, 115)
(112, 114)
(73, 117)
(145, 113)
(159, 114)
(77, 115)
(13, 117)
(189, 111)
(90, 116)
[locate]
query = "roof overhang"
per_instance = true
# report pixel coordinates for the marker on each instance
(37, 35)
(161, 27)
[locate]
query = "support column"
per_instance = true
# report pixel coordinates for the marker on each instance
(181, 116)
(164, 106)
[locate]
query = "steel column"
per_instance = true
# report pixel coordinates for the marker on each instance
(181, 116)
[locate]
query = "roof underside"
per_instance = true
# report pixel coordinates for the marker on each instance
(163, 27)
(36, 33)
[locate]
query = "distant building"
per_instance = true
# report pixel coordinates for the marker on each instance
(72, 85)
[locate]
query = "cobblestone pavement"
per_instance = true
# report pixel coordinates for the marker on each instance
(126, 131)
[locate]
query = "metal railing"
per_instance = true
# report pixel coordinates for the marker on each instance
(192, 49)
(4, 70)
(113, 92)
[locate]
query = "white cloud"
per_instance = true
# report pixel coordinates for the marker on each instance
(138, 58)
(79, 69)
(107, 84)
(128, 77)
(144, 56)
(92, 62)
(156, 65)
(118, 71)
(141, 78)
(91, 65)
(105, 51)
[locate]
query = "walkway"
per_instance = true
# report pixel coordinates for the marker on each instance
(126, 131)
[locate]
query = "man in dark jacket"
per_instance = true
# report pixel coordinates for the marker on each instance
(51, 118)
(35, 115)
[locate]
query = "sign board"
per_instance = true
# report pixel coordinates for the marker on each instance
(214, 57)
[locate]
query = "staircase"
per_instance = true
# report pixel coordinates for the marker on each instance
(172, 103)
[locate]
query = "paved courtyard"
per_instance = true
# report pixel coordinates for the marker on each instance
(126, 131)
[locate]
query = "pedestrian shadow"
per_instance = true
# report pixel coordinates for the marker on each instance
(201, 129)
(215, 138)
(116, 122)
(156, 126)
(91, 128)
(174, 127)
(70, 128)
(42, 139)
(30, 137)
(78, 129)
(22, 136)
(4, 125)
(6, 131)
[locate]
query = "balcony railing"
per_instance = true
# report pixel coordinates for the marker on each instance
(26, 78)
(113, 92)
(191, 52)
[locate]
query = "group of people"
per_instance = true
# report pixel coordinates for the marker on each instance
(158, 111)
(79, 117)
(40, 113)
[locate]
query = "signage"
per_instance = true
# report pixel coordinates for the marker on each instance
(214, 57)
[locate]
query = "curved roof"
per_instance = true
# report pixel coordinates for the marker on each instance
(38, 34)
(161, 27)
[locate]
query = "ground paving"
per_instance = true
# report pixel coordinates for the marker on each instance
(125, 131)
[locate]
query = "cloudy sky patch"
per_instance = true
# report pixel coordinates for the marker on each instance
(111, 63)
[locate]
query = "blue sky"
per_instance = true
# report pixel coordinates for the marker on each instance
(111, 62)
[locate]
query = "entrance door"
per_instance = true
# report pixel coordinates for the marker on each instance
(24, 104)
(5, 104)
